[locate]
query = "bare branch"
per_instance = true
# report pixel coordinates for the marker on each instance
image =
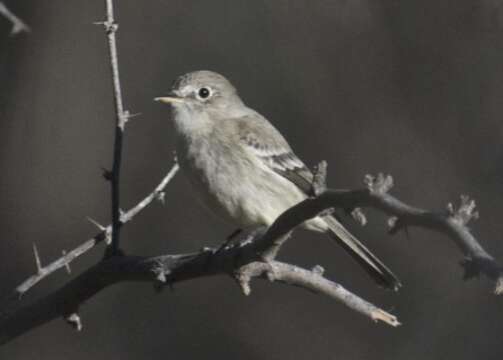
(68, 257)
(122, 117)
(18, 25)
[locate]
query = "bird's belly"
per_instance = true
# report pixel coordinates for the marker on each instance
(237, 190)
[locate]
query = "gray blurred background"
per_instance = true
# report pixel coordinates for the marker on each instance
(411, 88)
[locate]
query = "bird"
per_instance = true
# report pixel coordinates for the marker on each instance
(243, 169)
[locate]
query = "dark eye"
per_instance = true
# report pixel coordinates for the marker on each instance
(204, 93)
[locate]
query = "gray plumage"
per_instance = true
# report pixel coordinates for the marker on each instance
(243, 168)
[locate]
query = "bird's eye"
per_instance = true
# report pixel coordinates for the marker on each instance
(204, 93)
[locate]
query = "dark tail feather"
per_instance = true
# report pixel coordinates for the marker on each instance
(372, 265)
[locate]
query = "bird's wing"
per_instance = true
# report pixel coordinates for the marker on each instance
(262, 139)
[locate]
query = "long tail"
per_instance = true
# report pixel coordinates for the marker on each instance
(372, 265)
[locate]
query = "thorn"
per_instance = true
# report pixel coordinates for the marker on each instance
(106, 230)
(392, 224)
(128, 115)
(67, 264)
(37, 258)
(161, 196)
(109, 26)
(107, 174)
(318, 270)
(123, 118)
(123, 216)
(134, 115)
(95, 223)
(74, 320)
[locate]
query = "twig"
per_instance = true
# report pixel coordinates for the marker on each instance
(68, 257)
(157, 194)
(122, 116)
(312, 280)
(38, 262)
(18, 25)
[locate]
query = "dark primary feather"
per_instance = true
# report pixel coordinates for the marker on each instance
(370, 263)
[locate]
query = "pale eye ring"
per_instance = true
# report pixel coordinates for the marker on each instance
(204, 93)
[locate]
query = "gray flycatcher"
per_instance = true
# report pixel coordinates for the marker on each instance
(242, 167)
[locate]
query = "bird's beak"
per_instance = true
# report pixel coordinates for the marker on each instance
(169, 99)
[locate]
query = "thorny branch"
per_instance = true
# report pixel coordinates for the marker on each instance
(122, 116)
(18, 25)
(246, 260)
(241, 262)
(103, 235)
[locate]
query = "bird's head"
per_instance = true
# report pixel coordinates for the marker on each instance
(202, 91)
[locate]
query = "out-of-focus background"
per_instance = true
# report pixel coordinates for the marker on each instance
(411, 88)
